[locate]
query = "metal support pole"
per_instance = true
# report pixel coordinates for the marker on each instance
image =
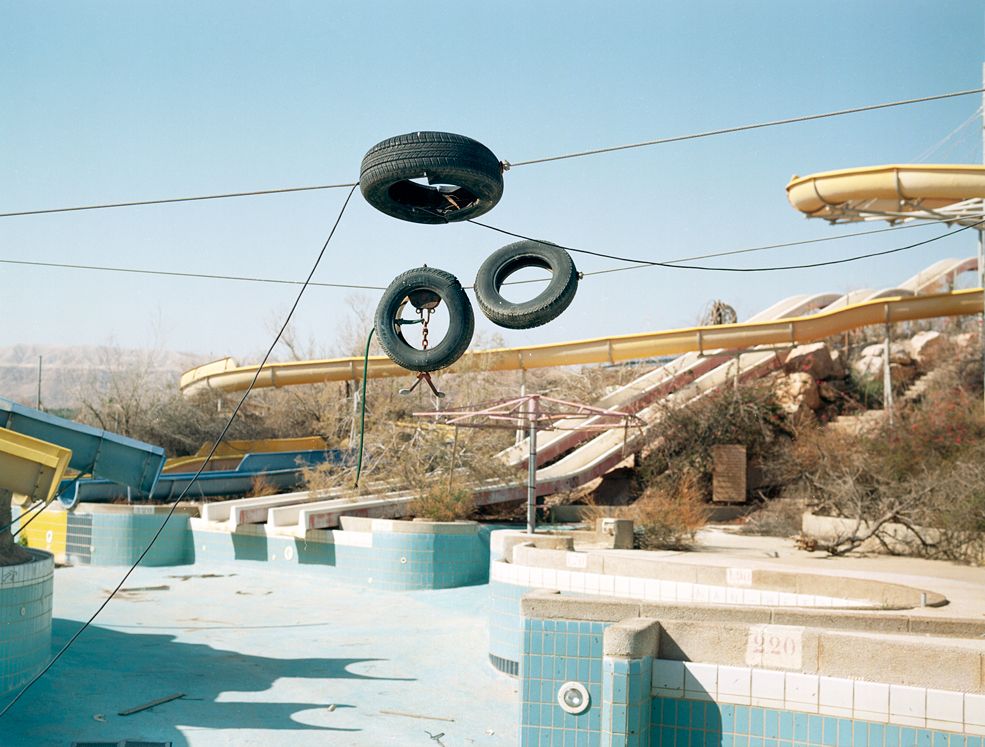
(40, 360)
(532, 470)
(981, 284)
(523, 393)
(738, 371)
(887, 376)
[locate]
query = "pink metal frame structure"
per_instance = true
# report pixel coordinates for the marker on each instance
(535, 412)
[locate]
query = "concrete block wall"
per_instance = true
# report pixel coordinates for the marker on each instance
(25, 620)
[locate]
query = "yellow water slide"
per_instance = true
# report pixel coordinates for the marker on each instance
(225, 375)
(891, 191)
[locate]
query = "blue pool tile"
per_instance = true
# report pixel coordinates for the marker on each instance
(681, 738)
(769, 743)
(830, 736)
(800, 727)
(876, 735)
(860, 736)
(756, 742)
(771, 723)
(786, 725)
(815, 729)
(844, 732)
(756, 722)
(666, 736)
(940, 739)
(728, 718)
(682, 713)
(740, 740)
(668, 712)
(742, 720)
(696, 714)
(923, 738)
(956, 740)
(891, 736)
(696, 738)
(726, 740)
(908, 737)
(713, 738)
(973, 742)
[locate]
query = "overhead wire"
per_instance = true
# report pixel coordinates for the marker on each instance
(940, 143)
(508, 164)
(356, 286)
(678, 264)
(167, 200)
(195, 477)
(744, 128)
(173, 273)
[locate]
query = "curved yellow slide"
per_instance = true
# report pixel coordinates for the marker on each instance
(893, 188)
(225, 375)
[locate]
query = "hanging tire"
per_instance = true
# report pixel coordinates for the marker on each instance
(548, 305)
(422, 287)
(474, 173)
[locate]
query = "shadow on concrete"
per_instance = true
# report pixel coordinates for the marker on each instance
(107, 671)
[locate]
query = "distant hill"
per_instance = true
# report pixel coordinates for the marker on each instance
(66, 370)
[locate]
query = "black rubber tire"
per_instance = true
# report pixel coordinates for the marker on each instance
(440, 157)
(461, 320)
(546, 306)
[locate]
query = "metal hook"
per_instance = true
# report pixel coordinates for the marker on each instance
(424, 376)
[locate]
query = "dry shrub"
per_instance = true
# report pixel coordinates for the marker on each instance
(441, 503)
(682, 449)
(668, 519)
(781, 517)
(260, 486)
(915, 487)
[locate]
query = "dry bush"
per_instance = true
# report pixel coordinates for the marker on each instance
(261, 486)
(780, 517)
(438, 502)
(682, 448)
(668, 519)
(917, 486)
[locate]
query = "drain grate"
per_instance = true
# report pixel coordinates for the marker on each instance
(124, 743)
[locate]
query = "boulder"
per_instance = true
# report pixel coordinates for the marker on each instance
(797, 392)
(929, 348)
(813, 359)
(871, 368)
(838, 370)
(965, 340)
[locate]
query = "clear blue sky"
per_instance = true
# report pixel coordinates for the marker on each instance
(112, 101)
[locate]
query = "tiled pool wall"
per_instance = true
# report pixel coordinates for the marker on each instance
(508, 583)
(641, 701)
(25, 619)
(394, 560)
(112, 538)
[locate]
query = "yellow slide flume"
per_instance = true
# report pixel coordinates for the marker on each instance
(893, 188)
(225, 375)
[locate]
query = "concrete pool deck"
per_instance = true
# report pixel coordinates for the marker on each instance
(265, 657)
(270, 655)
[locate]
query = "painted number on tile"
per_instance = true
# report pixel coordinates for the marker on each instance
(779, 646)
(738, 576)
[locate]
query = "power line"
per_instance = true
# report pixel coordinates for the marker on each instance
(171, 273)
(579, 154)
(165, 201)
(355, 286)
(208, 458)
(676, 264)
(743, 128)
(936, 146)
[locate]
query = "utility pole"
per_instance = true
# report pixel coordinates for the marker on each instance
(981, 246)
(37, 405)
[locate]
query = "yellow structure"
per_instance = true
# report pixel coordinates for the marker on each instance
(225, 375)
(31, 467)
(891, 190)
(228, 453)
